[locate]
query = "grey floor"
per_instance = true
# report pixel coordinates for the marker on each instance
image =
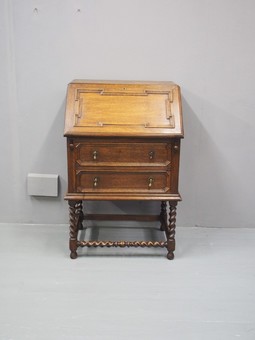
(207, 292)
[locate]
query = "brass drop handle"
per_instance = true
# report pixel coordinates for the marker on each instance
(150, 181)
(95, 154)
(95, 183)
(151, 154)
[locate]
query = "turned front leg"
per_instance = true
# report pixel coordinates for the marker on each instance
(75, 213)
(171, 230)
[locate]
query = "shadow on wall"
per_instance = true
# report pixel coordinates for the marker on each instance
(209, 176)
(124, 207)
(186, 214)
(52, 155)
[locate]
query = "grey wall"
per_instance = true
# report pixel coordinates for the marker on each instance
(205, 46)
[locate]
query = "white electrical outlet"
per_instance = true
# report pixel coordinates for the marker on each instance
(42, 185)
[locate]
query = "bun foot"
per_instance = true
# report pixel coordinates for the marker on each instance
(170, 255)
(73, 255)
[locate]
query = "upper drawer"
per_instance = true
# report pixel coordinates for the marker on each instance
(124, 154)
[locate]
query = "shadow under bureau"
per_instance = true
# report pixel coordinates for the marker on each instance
(123, 143)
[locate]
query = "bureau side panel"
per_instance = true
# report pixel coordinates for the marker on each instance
(175, 161)
(71, 164)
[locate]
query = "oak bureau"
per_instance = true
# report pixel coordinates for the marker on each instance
(123, 143)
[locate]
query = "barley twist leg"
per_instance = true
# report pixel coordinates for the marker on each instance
(75, 211)
(171, 230)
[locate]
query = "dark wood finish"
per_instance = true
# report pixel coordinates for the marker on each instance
(75, 214)
(170, 230)
(123, 143)
(122, 244)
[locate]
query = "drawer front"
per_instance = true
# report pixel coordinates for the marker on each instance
(127, 154)
(122, 182)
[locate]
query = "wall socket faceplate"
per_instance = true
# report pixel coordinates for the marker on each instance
(42, 185)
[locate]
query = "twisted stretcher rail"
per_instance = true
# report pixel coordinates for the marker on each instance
(122, 244)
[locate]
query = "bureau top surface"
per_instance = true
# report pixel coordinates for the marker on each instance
(123, 108)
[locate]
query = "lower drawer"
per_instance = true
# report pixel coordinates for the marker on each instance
(122, 182)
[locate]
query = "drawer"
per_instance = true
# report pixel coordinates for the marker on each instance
(122, 182)
(127, 154)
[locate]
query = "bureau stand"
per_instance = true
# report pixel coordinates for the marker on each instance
(123, 143)
(167, 226)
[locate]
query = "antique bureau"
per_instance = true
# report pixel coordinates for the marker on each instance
(123, 143)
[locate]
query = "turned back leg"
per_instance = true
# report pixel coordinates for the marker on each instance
(163, 216)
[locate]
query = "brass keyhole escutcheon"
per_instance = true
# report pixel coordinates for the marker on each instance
(95, 182)
(95, 154)
(150, 182)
